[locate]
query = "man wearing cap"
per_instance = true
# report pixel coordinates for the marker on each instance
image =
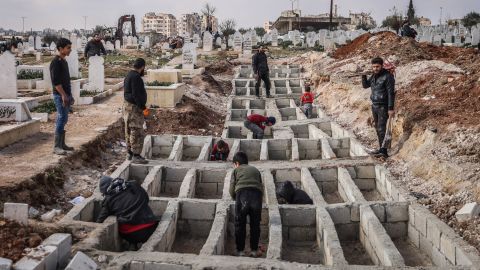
(134, 109)
(128, 201)
(256, 123)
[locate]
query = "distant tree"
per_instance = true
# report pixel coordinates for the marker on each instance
(243, 30)
(394, 20)
(310, 28)
(227, 28)
(471, 19)
(365, 26)
(411, 12)
(208, 11)
(49, 38)
(260, 31)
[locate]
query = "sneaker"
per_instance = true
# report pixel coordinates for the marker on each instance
(240, 253)
(137, 159)
(382, 153)
(376, 152)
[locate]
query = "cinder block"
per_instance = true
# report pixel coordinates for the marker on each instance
(17, 212)
(29, 264)
(433, 232)
(365, 172)
(297, 216)
(379, 210)
(439, 259)
(426, 246)
(447, 247)
(397, 212)
(421, 222)
(302, 233)
(40, 258)
(461, 258)
(136, 265)
(468, 211)
(340, 214)
(397, 230)
(5, 264)
(355, 213)
(63, 242)
(81, 262)
(197, 210)
(414, 235)
(365, 184)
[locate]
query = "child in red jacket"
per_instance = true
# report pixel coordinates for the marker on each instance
(256, 123)
(220, 151)
(307, 102)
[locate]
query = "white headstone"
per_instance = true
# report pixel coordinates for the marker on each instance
(311, 39)
(8, 76)
(247, 45)
(188, 56)
(117, 44)
(96, 74)
(14, 110)
(207, 42)
(125, 40)
(147, 42)
(129, 40)
(296, 37)
(134, 40)
(73, 39)
(38, 43)
(53, 46)
(79, 44)
(218, 41)
(38, 56)
(73, 64)
(274, 34)
(237, 42)
(475, 35)
(196, 40)
(84, 43)
(31, 43)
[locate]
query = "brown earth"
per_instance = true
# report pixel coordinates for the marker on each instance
(188, 118)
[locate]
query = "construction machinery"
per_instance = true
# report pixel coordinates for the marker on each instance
(121, 21)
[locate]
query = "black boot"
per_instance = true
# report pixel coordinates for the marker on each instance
(376, 152)
(137, 159)
(129, 155)
(57, 148)
(64, 146)
(383, 152)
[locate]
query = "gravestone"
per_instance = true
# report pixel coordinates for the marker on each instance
(196, 40)
(129, 41)
(53, 46)
(38, 43)
(79, 44)
(73, 64)
(124, 40)
(31, 43)
(247, 45)
(8, 76)
(274, 34)
(109, 46)
(437, 40)
(96, 75)
(134, 40)
(73, 39)
(237, 42)
(311, 39)
(253, 34)
(218, 41)
(207, 42)
(84, 43)
(296, 37)
(117, 44)
(475, 35)
(189, 55)
(147, 42)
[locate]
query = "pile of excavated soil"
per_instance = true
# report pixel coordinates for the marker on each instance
(189, 118)
(221, 67)
(208, 83)
(15, 238)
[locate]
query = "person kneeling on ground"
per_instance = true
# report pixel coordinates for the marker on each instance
(307, 102)
(247, 191)
(220, 151)
(287, 193)
(128, 201)
(256, 123)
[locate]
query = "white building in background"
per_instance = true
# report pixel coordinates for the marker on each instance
(214, 21)
(189, 23)
(161, 23)
(267, 26)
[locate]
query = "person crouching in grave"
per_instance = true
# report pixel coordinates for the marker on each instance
(288, 194)
(220, 151)
(128, 201)
(256, 123)
(307, 102)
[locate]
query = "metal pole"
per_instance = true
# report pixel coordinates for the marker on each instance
(441, 13)
(23, 24)
(85, 26)
(331, 15)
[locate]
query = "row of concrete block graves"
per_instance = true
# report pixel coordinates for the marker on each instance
(360, 215)
(25, 88)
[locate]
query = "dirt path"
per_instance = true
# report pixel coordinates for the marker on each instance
(21, 161)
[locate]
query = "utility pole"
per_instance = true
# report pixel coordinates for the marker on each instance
(85, 19)
(441, 13)
(23, 24)
(331, 15)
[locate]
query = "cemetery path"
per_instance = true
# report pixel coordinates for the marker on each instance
(21, 161)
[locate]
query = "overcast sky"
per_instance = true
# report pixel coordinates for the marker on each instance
(68, 14)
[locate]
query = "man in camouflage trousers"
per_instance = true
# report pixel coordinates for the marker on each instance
(134, 110)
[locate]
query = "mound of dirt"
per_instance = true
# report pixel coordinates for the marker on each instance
(210, 84)
(220, 67)
(188, 118)
(15, 238)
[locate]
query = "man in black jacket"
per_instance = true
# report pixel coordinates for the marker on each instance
(261, 71)
(128, 201)
(382, 83)
(287, 193)
(134, 108)
(94, 47)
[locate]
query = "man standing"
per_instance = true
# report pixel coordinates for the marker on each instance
(95, 47)
(261, 71)
(382, 83)
(134, 108)
(62, 94)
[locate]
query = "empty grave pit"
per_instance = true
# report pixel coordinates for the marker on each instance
(238, 115)
(241, 91)
(279, 149)
(365, 178)
(209, 184)
(294, 83)
(281, 90)
(282, 103)
(167, 182)
(288, 114)
(241, 83)
(280, 83)
(230, 246)
(300, 131)
(297, 90)
(235, 132)
(257, 104)
(192, 147)
(162, 146)
(239, 104)
(252, 148)
(135, 172)
(309, 149)
(193, 226)
(299, 235)
(327, 182)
